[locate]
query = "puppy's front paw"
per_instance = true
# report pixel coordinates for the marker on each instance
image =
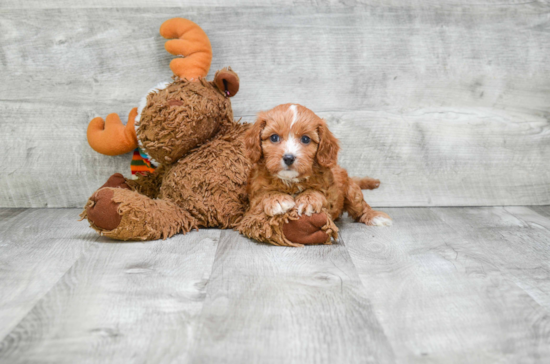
(309, 204)
(278, 205)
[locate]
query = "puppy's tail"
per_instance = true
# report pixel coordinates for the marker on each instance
(366, 183)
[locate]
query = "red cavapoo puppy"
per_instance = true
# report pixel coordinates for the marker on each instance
(294, 158)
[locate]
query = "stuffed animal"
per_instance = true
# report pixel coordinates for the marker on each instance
(186, 129)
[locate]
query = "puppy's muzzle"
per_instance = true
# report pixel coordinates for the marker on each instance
(289, 159)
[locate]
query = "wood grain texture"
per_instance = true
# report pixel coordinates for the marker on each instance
(541, 210)
(447, 104)
(120, 303)
(268, 304)
(442, 285)
(458, 285)
(437, 157)
(64, 4)
(68, 4)
(37, 247)
(518, 240)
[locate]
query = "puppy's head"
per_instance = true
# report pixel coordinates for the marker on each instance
(292, 140)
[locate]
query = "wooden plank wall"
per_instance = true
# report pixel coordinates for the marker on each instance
(447, 102)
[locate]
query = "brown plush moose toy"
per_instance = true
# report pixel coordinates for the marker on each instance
(186, 128)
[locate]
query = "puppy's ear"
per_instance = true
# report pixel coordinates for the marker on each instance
(327, 152)
(253, 140)
(227, 81)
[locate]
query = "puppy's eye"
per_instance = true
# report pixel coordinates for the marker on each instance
(274, 138)
(306, 139)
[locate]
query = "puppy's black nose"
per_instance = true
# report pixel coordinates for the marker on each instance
(289, 159)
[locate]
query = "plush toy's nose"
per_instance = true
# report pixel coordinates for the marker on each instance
(289, 159)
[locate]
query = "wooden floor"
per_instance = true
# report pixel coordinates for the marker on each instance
(452, 285)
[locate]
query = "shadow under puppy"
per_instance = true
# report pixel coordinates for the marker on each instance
(295, 173)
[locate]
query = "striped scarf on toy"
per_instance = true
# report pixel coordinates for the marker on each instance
(141, 163)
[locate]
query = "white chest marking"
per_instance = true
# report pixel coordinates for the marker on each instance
(288, 176)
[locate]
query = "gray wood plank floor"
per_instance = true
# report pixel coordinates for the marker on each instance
(443, 285)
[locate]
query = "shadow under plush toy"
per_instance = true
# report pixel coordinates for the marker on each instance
(186, 128)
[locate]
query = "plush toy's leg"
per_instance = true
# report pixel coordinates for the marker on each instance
(357, 208)
(315, 229)
(122, 214)
(288, 229)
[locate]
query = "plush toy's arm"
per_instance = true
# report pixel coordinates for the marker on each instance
(147, 184)
(111, 137)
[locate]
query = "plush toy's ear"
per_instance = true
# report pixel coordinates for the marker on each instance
(253, 139)
(327, 153)
(227, 81)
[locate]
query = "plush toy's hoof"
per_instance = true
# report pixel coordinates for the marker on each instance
(307, 230)
(103, 213)
(117, 180)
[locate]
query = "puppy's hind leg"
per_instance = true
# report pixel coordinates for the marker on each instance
(355, 205)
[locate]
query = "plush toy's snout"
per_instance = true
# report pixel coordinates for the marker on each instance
(180, 117)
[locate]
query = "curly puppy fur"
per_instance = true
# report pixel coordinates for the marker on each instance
(295, 170)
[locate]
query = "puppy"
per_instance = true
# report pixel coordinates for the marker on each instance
(294, 158)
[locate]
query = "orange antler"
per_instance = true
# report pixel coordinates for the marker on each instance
(112, 137)
(192, 43)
